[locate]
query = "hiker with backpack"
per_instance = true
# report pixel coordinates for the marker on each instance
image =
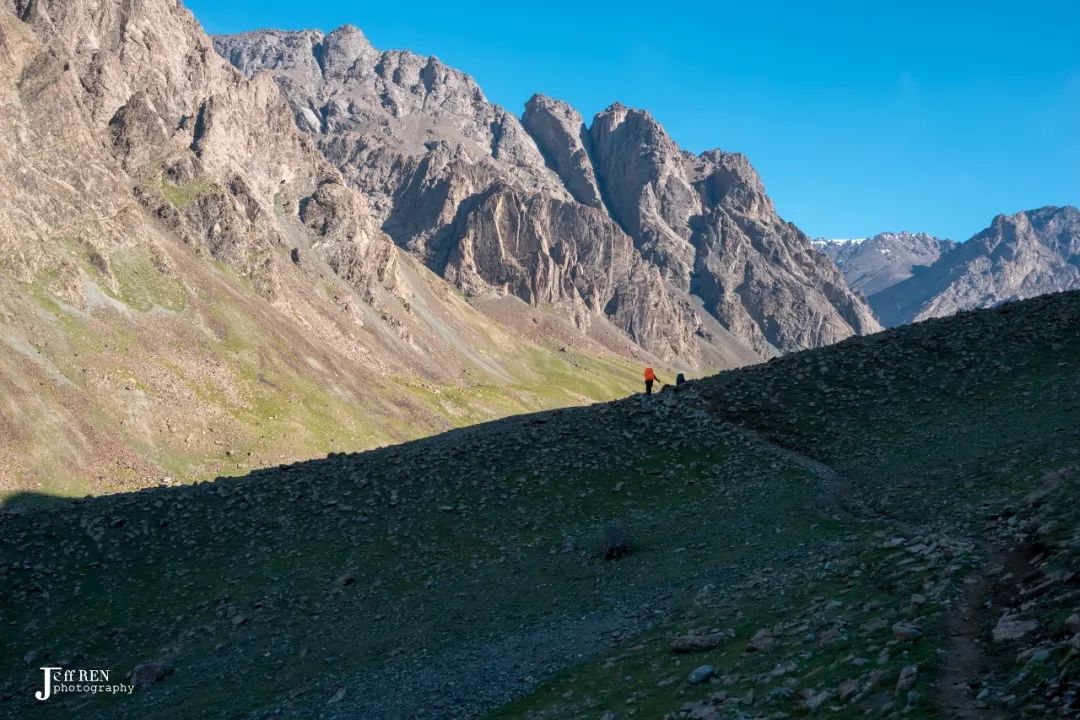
(650, 378)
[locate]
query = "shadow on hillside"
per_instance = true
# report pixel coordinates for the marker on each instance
(28, 503)
(1056, 309)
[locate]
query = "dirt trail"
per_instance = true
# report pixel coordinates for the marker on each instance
(965, 662)
(836, 489)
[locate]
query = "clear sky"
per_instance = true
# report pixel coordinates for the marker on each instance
(861, 116)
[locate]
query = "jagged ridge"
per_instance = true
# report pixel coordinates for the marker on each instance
(431, 153)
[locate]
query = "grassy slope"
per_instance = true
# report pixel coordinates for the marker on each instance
(456, 572)
(184, 374)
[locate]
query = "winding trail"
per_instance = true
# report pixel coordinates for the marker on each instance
(836, 489)
(965, 661)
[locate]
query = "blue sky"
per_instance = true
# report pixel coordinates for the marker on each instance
(931, 116)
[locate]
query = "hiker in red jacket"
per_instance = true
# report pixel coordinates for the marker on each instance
(650, 378)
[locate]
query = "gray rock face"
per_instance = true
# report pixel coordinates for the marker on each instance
(458, 182)
(563, 138)
(146, 103)
(1019, 256)
(881, 261)
(648, 192)
(758, 272)
(499, 205)
(708, 224)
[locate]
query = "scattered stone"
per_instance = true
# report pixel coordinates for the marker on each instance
(905, 632)
(150, 673)
(697, 643)
(1010, 627)
(701, 674)
(908, 675)
(815, 701)
(1072, 624)
(1040, 655)
(763, 641)
(847, 688)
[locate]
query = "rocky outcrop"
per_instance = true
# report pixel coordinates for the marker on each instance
(646, 187)
(499, 205)
(563, 138)
(707, 222)
(872, 264)
(178, 120)
(1019, 256)
(54, 178)
(756, 270)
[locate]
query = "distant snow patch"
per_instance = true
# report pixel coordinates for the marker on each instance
(838, 241)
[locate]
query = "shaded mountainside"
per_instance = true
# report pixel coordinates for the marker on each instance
(188, 287)
(611, 220)
(872, 264)
(887, 525)
(1018, 256)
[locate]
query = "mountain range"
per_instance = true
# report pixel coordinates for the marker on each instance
(872, 264)
(187, 287)
(908, 277)
(195, 283)
(611, 220)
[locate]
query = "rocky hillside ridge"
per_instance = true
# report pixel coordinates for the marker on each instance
(1019, 256)
(611, 219)
(188, 286)
(886, 527)
(872, 264)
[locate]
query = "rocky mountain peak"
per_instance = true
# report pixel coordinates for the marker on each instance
(730, 180)
(648, 193)
(633, 122)
(343, 48)
(562, 137)
(502, 205)
(873, 264)
(904, 236)
(1019, 256)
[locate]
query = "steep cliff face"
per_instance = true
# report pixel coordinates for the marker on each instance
(177, 118)
(564, 140)
(1019, 256)
(458, 182)
(707, 222)
(56, 179)
(756, 269)
(501, 205)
